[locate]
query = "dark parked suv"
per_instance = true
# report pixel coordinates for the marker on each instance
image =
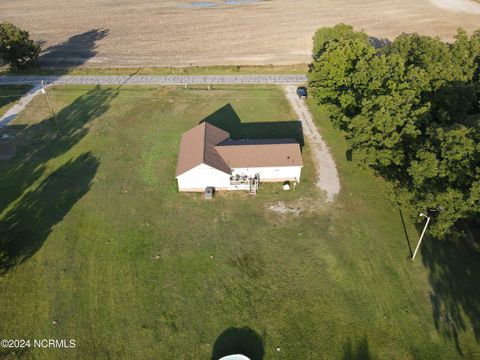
(302, 92)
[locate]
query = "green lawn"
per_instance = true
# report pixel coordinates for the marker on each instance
(97, 238)
(9, 94)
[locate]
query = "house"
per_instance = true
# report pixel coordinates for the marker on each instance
(209, 158)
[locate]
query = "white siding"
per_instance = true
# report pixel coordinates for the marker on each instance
(280, 173)
(198, 178)
(202, 176)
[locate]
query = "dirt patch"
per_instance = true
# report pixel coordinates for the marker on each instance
(171, 33)
(283, 209)
(298, 207)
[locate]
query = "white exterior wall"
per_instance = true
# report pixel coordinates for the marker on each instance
(198, 178)
(280, 173)
(202, 176)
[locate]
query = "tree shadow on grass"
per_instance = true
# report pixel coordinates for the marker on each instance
(48, 139)
(227, 119)
(244, 341)
(14, 353)
(75, 51)
(11, 93)
(28, 215)
(454, 277)
(407, 238)
(357, 351)
(24, 228)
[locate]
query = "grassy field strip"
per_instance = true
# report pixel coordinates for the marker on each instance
(191, 70)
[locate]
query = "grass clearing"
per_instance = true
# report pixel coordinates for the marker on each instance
(99, 240)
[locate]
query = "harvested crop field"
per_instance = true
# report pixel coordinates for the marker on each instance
(135, 33)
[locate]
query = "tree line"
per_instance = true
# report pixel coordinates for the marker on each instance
(410, 110)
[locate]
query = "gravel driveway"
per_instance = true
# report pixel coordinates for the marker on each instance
(327, 179)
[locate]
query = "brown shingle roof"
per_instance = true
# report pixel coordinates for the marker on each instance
(208, 144)
(197, 146)
(260, 153)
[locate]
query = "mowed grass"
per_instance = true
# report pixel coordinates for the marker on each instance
(101, 248)
(9, 94)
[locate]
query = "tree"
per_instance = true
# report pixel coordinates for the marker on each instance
(16, 47)
(326, 35)
(331, 77)
(444, 175)
(383, 134)
(445, 70)
(428, 54)
(408, 112)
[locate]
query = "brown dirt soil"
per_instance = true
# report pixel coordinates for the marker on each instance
(133, 33)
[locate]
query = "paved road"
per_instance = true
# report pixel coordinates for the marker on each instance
(327, 179)
(158, 79)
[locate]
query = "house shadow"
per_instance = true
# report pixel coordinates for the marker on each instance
(227, 119)
(73, 52)
(244, 341)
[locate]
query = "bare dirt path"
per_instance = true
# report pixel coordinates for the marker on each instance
(328, 179)
(133, 33)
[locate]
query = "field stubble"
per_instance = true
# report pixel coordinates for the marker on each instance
(174, 33)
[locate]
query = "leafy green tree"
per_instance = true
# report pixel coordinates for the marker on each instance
(406, 110)
(16, 47)
(466, 54)
(327, 35)
(445, 70)
(331, 77)
(444, 176)
(383, 133)
(427, 54)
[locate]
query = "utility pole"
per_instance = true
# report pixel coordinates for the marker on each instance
(44, 91)
(421, 236)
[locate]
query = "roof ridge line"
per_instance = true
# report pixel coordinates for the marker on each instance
(204, 142)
